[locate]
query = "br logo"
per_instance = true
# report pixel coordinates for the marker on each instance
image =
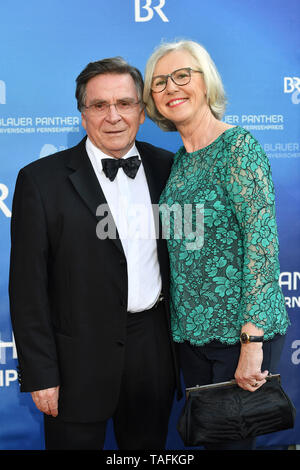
(3, 195)
(49, 149)
(146, 5)
(2, 92)
(292, 85)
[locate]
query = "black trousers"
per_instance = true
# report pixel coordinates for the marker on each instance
(146, 395)
(216, 362)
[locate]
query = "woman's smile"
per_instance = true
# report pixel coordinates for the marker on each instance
(176, 102)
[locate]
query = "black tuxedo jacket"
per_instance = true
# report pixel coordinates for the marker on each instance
(68, 288)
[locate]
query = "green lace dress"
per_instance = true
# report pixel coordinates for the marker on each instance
(231, 277)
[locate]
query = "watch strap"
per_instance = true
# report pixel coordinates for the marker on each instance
(245, 338)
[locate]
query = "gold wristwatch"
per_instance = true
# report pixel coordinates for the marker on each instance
(245, 338)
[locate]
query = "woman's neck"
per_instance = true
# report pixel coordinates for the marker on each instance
(202, 131)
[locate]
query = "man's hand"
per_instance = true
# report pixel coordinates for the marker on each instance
(47, 400)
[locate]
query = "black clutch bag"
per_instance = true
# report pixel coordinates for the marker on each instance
(225, 412)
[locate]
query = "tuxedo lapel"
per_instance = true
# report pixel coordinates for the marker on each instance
(152, 176)
(152, 172)
(87, 185)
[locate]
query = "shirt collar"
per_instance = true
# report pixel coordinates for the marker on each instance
(99, 154)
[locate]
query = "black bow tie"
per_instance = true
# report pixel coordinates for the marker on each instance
(111, 166)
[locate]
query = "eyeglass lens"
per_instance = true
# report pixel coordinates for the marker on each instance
(122, 106)
(179, 77)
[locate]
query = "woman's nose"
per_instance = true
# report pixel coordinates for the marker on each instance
(171, 86)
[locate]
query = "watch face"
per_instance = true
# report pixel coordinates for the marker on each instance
(244, 338)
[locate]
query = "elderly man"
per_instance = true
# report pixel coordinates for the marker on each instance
(89, 311)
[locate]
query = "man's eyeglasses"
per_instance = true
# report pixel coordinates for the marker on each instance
(179, 77)
(122, 107)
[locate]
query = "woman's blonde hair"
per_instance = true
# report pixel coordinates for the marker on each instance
(214, 87)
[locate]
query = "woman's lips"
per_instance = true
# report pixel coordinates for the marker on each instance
(176, 102)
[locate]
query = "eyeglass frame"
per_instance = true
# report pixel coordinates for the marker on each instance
(108, 105)
(189, 69)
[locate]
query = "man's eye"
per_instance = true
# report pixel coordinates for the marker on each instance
(99, 106)
(124, 104)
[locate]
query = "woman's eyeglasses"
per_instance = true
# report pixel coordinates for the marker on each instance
(180, 77)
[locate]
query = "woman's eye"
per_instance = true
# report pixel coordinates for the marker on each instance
(159, 82)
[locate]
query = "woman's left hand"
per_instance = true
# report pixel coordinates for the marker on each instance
(248, 374)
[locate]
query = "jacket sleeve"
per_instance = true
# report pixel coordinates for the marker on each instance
(28, 280)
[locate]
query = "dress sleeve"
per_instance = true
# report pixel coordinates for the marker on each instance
(251, 192)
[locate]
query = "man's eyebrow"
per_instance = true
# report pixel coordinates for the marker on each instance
(99, 100)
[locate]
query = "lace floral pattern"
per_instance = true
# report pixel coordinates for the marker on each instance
(233, 278)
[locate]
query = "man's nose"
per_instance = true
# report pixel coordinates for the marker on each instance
(112, 114)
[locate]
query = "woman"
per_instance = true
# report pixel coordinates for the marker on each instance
(227, 309)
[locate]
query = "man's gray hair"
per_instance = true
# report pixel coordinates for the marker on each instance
(113, 65)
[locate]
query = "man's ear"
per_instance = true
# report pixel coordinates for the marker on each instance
(83, 121)
(142, 117)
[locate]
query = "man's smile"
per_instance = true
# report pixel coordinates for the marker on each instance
(115, 132)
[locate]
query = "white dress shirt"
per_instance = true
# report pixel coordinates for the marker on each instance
(130, 205)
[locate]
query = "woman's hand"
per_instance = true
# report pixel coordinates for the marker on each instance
(248, 374)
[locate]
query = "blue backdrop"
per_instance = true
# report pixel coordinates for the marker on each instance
(44, 46)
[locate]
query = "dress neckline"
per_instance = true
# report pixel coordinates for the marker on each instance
(230, 129)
